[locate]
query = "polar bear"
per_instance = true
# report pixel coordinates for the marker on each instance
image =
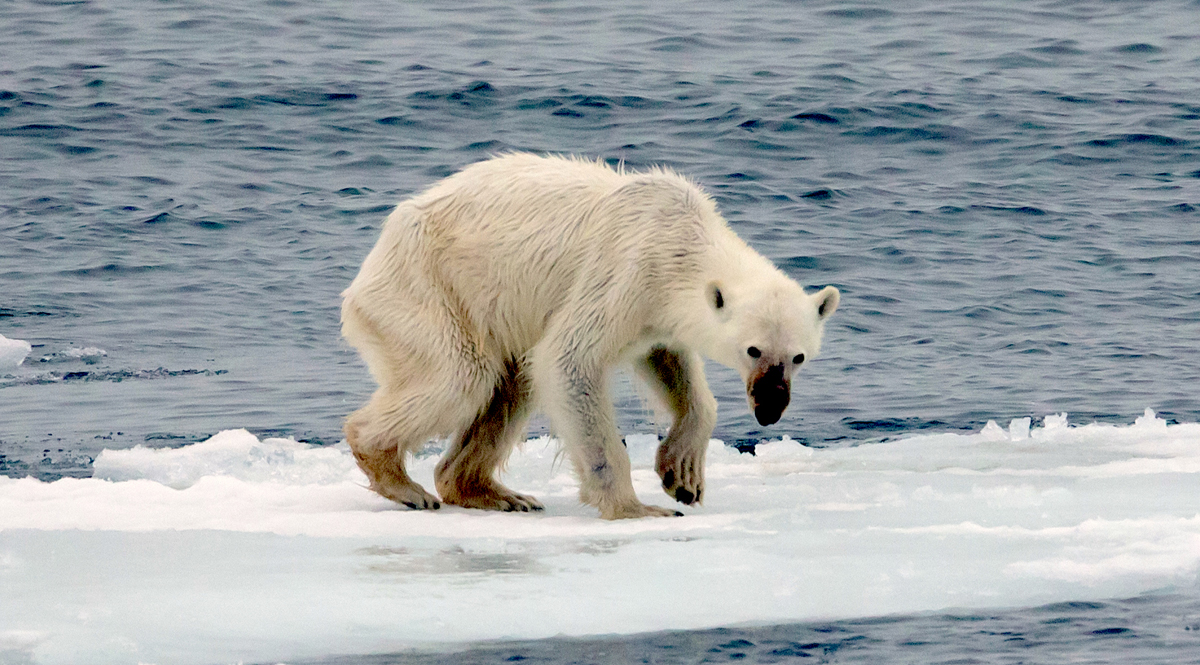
(523, 280)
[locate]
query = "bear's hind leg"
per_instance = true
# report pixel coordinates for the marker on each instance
(466, 475)
(393, 424)
(679, 378)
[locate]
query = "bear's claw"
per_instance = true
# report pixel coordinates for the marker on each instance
(685, 486)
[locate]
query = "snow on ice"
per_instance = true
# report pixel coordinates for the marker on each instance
(239, 549)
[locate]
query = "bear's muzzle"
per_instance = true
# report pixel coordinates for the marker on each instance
(769, 390)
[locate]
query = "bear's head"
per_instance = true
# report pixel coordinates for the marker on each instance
(766, 329)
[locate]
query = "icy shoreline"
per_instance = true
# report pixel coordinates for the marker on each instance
(236, 548)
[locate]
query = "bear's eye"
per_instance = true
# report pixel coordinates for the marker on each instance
(798, 359)
(718, 299)
(753, 352)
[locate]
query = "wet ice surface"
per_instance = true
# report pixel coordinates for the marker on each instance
(245, 549)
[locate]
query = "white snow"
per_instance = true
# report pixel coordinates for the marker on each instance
(12, 352)
(237, 549)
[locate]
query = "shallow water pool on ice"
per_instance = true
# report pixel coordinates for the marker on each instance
(241, 549)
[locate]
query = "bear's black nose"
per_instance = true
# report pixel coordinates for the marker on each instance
(770, 394)
(769, 406)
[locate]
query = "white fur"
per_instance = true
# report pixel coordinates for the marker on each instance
(522, 281)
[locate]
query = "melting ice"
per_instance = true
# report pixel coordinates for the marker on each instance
(13, 352)
(240, 549)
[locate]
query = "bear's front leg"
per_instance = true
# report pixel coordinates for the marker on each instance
(575, 396)
(678, 376)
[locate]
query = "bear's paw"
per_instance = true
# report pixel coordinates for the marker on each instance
(495, 497)
(682, 473)
(408, 494)
(636, 510)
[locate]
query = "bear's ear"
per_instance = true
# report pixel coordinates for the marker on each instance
(827, 300)
(715, 298)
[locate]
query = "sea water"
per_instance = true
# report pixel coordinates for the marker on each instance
(1006, 194)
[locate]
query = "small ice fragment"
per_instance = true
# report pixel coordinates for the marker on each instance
(13, 352)
(90, 355)
(1149, 419)
(1055, 421)
(993, 432)
(1018, 429)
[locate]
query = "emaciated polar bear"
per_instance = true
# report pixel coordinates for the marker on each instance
(524, 280)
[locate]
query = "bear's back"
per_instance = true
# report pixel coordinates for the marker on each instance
(512, 239)
(523, 217)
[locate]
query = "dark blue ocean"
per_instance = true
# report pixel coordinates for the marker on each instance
(1007, 195)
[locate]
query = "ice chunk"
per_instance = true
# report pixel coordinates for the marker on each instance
(13, 352)
(231, 453)
(88, 354)
(1149, 420)
(1054, 421)
(993, 432)
(1018, 429)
